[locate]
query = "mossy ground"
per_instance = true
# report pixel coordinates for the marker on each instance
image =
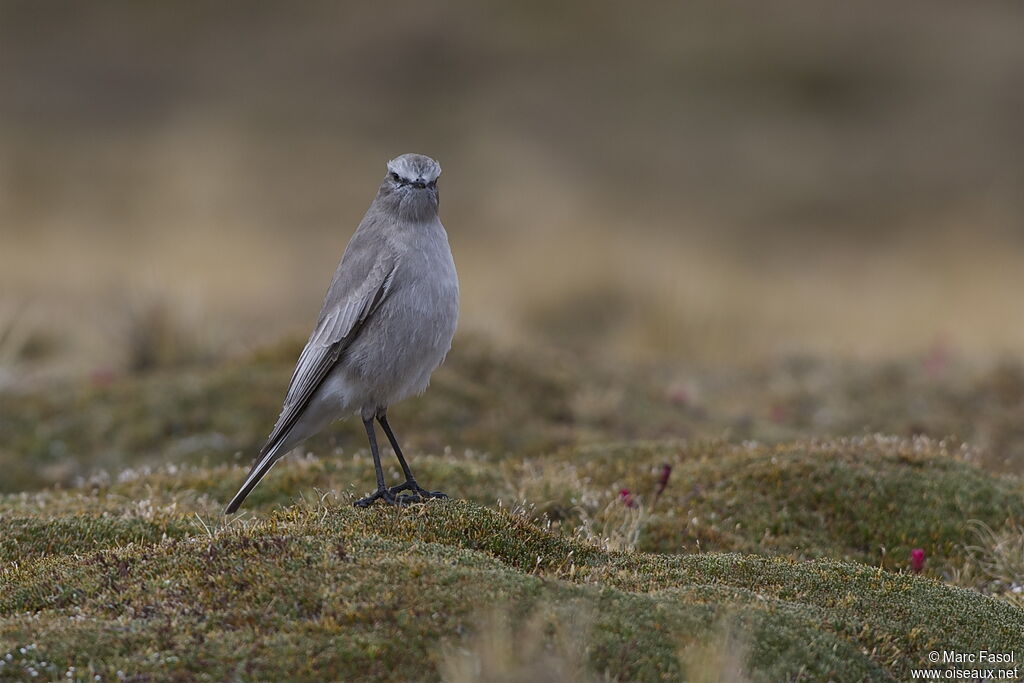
(328, 592)
(789, 556)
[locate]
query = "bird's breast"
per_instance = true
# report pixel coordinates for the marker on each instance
(410, 334)
(418, 316)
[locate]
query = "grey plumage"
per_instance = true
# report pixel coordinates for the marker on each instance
(386, 324)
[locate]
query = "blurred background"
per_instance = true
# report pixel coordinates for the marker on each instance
(694, 183)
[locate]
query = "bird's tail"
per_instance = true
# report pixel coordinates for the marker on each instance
(259, 469)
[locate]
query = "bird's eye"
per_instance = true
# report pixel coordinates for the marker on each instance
(432, 184)
(396, 177)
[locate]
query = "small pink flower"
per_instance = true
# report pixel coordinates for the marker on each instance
(678, 395)
(102, 377)
(937, 361)
(666, 472)
(627, 498)
(917, 560)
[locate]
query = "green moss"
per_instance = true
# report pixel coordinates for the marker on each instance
(870, 499)
(26, 537)
(312, 593)
(224, 414)
(793, 550)
(500, 403)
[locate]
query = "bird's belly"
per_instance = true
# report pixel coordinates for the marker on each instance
(405, 341)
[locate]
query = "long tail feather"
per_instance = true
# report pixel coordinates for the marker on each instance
(258, 471)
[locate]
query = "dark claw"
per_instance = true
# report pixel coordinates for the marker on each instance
(382, 494)
(418, 495)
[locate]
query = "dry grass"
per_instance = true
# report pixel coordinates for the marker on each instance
(674, 298)
(996, 562)
(721, 656)
(668, 299)
(24, 339)
(548, 646)
(623, 189)
(617, 526)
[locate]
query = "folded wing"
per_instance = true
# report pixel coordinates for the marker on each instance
(343, 316)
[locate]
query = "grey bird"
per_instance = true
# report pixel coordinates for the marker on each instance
(387, 323)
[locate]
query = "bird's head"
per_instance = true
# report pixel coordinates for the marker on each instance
(411, 185)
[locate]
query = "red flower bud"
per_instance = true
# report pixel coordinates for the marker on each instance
(666, 472)
(917, 560)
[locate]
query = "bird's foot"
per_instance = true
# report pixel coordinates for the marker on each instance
(417, 493)
(382, 494)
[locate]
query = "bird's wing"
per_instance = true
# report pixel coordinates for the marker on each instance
(346, 309)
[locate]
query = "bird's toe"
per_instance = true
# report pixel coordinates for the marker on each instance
(380, 494)
(395, 490)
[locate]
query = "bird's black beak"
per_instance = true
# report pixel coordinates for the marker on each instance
(419, 184)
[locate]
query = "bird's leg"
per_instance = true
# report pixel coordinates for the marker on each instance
(410, 481)
(382, 491)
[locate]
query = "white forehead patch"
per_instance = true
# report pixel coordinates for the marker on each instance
(414, 167)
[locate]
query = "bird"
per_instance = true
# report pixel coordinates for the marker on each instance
(387, 322)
